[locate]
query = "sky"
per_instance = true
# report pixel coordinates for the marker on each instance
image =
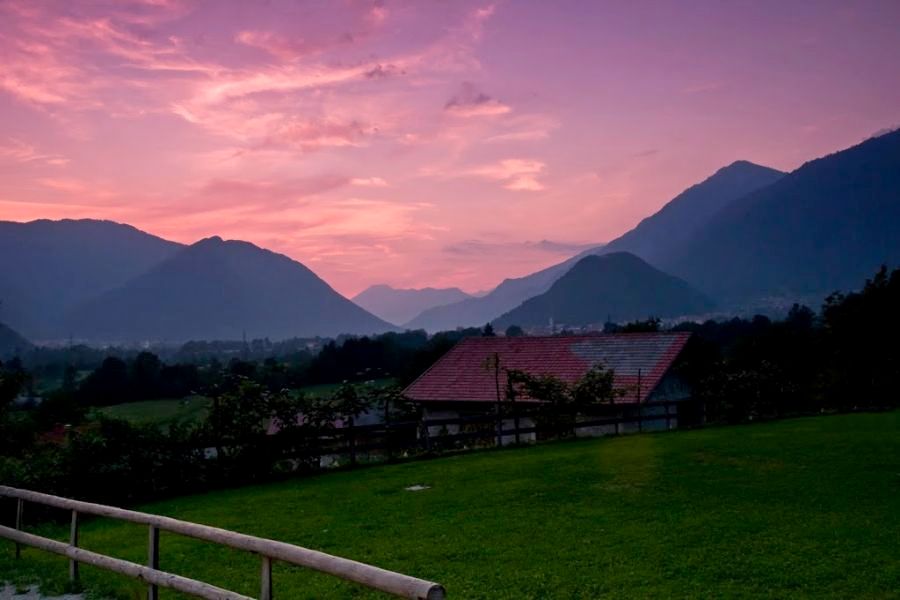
(421, 143)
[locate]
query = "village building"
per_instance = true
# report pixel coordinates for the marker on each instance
(463, 382)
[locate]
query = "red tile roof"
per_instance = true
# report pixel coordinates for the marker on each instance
(460, 375)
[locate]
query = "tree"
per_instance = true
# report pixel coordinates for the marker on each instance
(514, 331)
(349, 401)
(237, 426)
(11, 383)
(651, 324)
(597, 386)
(561, 402)
(488, 330)
(145, 372)
(108, 384)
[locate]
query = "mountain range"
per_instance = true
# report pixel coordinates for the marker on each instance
(217, 289)
(826, 226)
(747, 233)
(11, 343)
(101, 281)
(400, 305)
(59, 264)
(618, 286)
(653, 238)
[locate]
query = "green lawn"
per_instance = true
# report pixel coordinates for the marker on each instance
(322, 390)
(159, 412)
(193, 408)
(799, 508)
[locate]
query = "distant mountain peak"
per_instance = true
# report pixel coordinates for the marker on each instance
(61, 263)
(399, 305)
(11, 342)
(218, 289)
(825, 226)
(618, 285)
(211, 242)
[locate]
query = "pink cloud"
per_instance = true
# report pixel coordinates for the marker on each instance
(369, 182)
(309, 135)
(21, 152)
(516, 174)
(470, 102)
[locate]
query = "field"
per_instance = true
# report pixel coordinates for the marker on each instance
(159, 412)
(798, 508)
(191, 409)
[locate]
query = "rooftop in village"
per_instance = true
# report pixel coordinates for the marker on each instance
(639, 361)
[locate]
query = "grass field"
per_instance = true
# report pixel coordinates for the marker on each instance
(191, 409)
(799, 508)
(322, 390)
(159, 412)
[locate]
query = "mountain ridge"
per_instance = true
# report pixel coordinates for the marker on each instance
(825, 226)
(399, 305)
(737, 179)
(222, 289)
(619, 286)
(62, 263)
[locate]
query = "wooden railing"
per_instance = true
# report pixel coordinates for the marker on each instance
(269, 551)
(488, 428)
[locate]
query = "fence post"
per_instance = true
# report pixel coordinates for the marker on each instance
(640, 416)
(352, 441)
(265, 579)
(516, 424)
(153, 560)
(424, 435)
(73, 541)
(387, 430)
(20, 508)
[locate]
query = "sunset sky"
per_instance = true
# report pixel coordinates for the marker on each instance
(421, 142)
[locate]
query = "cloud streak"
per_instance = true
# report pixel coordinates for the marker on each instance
(516, 174)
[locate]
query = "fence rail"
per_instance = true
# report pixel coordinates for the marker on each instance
(346, 444)
(269, 550)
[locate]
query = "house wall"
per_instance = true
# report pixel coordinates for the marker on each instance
(524, 438)
(444, 412)
(429, 413)
(632, 411)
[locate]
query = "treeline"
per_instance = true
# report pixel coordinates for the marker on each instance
(249, 434)
(400, 357)
(843, 358)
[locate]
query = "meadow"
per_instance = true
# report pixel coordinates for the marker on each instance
(806, 507)
(159, 412)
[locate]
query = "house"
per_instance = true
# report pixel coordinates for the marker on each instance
(462, 383)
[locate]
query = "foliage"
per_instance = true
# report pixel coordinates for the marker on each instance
(651, 324)
(514, 331)
(561, 402)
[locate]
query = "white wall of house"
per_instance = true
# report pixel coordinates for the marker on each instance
(647, 410)
(440, 413)
(524, 438)
(508, 424)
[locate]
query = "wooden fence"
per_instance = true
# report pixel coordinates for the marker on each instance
(390, 439)
(269, 551)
